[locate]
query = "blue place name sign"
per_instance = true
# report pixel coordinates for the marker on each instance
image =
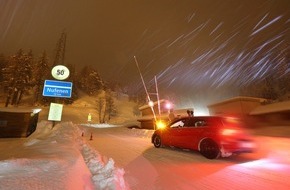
(55, 88)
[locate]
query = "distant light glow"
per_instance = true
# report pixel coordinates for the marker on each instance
(151, 103)
(200, 112)
(168, 105)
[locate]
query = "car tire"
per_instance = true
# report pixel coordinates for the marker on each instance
(209, 149)
(157, 141)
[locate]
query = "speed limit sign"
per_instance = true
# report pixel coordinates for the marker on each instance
(60, 72)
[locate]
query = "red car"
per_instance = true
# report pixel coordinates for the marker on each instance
(212, 136)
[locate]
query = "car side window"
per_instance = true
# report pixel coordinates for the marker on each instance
(177, 124)
(189, 122)
(200, 123)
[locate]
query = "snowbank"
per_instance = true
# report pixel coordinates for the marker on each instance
(56, 158)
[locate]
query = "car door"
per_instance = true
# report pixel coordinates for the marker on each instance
(193, 133)
(172, 136)
(184, 136)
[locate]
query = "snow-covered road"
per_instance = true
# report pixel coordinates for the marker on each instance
(169, 168)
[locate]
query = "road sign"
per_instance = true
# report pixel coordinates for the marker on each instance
(55, 112)
(60, 72)
(55, 88)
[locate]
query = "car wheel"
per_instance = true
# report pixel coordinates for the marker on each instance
(157, 141)
(209, 149)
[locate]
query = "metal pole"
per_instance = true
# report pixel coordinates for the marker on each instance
(148, 97)
(147, 94)
(158, 101)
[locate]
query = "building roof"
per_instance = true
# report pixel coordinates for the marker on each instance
(272, 108)
(20, 110)
(151, 117)
(238, 98)
(176, 113)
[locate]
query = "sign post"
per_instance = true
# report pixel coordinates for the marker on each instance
(56, 88)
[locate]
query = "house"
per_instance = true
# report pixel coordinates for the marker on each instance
(20, 122)
(274, 114)
(240, 106)
(237, 106)
(254, 111)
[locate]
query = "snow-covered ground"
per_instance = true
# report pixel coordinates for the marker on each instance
(60, 157)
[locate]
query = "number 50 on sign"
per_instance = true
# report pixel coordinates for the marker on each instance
(60, 72)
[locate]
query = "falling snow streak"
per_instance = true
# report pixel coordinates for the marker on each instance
(175, 40)
(222, 64)
(216, 28)
(159, 45)
(190, 17)
(7, 19)
(266, 25)
(260, 21)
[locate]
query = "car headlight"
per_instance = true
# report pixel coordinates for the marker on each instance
(160, 124)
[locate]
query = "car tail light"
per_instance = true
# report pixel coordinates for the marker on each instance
(229, 132)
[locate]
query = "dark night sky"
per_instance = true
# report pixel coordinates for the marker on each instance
(188, 45)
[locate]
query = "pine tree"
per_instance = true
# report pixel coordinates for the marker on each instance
(90, 80)
(41, 72)
(18, 75)
(26, 75)
(3, 65)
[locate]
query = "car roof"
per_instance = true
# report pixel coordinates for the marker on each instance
(201, 117)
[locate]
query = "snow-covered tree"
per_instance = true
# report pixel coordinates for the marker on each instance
(105, 106)
(41, 72)
(100, 107)
(110, 109)
(3, 65)
(90, 80)
(18, 76)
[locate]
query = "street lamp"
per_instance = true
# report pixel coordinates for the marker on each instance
(151, 103)
(168, 105)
